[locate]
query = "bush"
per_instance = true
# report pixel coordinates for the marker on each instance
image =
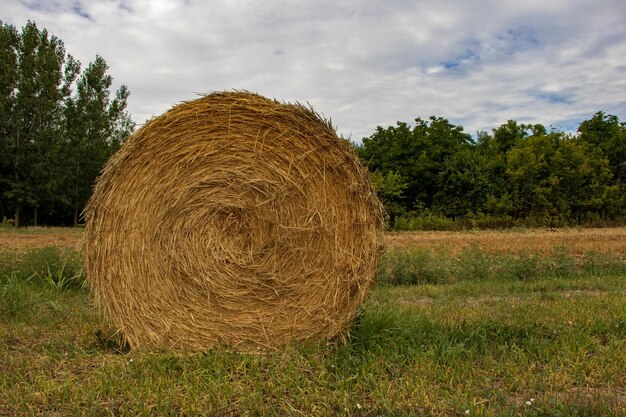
(425, 220)
(431, 220)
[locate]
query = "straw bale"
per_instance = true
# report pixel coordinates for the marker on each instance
(232, 219)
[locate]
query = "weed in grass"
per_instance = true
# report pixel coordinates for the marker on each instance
(7, 262)
(428, 271)
(36, 278)
(473, 264)
(51, 267)
(563, 264)
(409, 267)
(395, 270)
(40, 260)
(16, 296)
(523, 267)
(603, 264)
(419, 266)
(60, 280)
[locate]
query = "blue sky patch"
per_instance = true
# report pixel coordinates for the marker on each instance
(554, 98)
(519, 39)
(77, 8)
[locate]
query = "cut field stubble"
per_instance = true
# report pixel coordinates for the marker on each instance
(546, 241)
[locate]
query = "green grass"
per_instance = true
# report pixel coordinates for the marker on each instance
(27, 279)
(402, 266)
(548, 343)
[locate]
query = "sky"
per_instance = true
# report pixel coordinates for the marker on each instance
(360, 63)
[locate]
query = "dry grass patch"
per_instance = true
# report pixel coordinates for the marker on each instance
(544, 241)
(40, 237)
(575, 241)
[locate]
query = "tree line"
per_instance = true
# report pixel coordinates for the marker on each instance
(435, 174)
(59, 123)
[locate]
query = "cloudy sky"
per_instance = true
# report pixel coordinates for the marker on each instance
(363, 63)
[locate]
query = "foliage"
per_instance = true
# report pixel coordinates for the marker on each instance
(57, 125)
(433, 176)
(417, 155)
(607, 134)
(391, 187)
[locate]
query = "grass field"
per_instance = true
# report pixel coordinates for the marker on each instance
(476, 323)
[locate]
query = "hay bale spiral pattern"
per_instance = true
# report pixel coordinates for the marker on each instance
(232, 219)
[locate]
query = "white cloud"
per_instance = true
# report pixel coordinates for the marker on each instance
(363, 63)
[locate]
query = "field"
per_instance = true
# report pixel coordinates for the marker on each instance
(498, 323)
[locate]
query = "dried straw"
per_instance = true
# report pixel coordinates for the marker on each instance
(232, 219)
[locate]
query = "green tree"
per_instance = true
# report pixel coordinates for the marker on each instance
(527, 167)
(464, 184)
(390, 187)
(553, 176)
(518, 171)
(417, 154)
(9, 47)
(58, 126)
(606, 133)
(509, 135)
(578, 180)
(95, 126)
(34, 96)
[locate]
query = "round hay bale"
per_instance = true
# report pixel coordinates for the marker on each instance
(232, 219)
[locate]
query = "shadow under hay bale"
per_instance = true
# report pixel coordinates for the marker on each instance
(232, 219)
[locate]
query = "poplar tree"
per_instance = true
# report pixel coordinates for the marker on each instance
(96, 125)
(32, 89)
(58, 126)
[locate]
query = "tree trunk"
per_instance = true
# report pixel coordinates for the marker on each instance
(17, 216)
(75, 216)
(35, 216)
